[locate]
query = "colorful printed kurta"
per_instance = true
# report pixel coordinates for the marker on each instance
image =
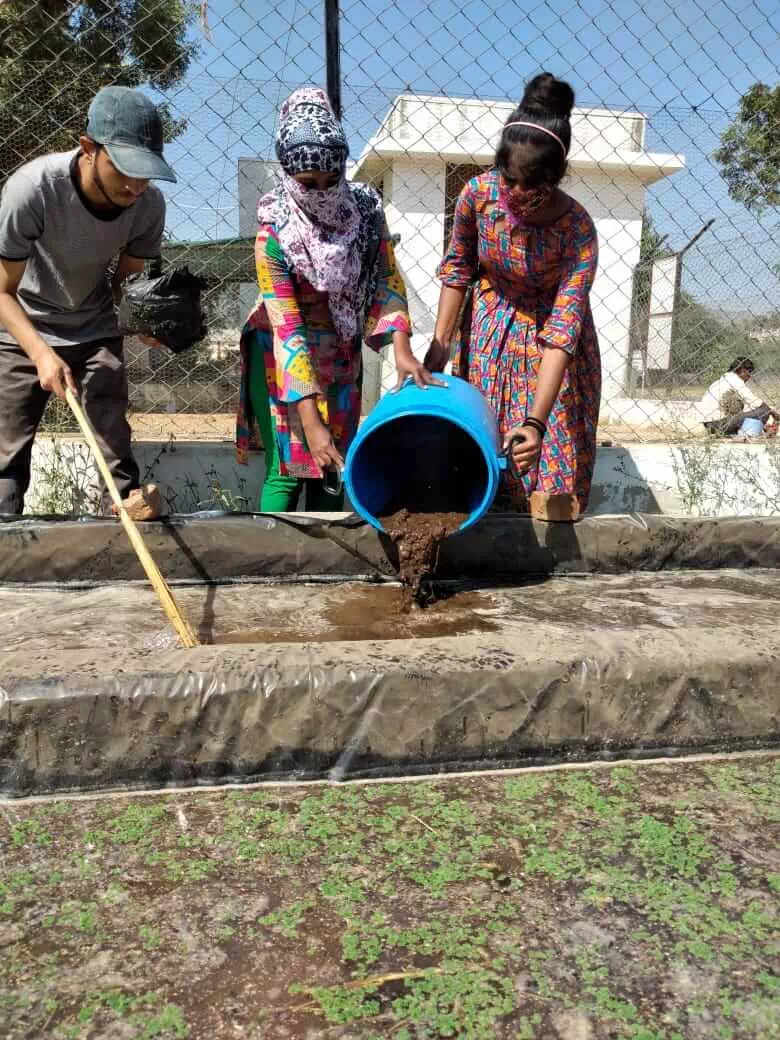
(291, 332)
(532, 293)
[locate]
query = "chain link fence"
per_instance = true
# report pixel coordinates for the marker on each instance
(688, 273)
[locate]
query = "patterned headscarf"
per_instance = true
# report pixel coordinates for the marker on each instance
(319, 230)
(309, 136)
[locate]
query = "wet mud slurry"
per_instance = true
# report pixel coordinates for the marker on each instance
(379, 612)
(418, 536)
(386, 612)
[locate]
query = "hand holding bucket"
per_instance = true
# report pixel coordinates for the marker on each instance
(522, 448)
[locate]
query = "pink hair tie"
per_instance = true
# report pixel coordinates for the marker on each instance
(535, 126)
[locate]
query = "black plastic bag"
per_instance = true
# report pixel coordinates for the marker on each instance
(165, 306)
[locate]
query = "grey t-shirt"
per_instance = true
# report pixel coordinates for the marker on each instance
(69, 246)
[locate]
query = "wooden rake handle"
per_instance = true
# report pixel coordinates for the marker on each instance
(159, 584)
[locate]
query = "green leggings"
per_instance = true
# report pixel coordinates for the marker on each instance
(281, 494)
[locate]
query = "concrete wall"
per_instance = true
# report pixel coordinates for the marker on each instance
(470, 126)
(644, 412)
(414, 205)
(616, 205)
(255, 178)
(689, 478)
(414, 195)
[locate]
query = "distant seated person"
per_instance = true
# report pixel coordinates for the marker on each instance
(729, 401)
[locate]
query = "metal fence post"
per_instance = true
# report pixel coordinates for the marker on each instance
(333, 54)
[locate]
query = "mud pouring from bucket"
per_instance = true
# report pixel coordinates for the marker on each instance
(425, 464)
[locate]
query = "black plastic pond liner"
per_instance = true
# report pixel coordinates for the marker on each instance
(552, 680)
(242, 726)
(166, 307)
(230, 547)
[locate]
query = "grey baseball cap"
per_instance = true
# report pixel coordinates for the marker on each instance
(129, 127)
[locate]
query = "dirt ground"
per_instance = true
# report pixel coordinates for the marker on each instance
(633, 902)
(184, 426)
(221, 427)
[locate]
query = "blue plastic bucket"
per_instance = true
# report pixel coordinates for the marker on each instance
(751, 428)
(439, 445)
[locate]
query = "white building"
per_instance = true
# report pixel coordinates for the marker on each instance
(426, 148)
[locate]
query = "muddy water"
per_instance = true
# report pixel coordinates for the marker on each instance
(376, 612)
(418, 536)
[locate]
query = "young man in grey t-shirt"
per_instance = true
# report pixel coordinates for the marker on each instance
(64, 220)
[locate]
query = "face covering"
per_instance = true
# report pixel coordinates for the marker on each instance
(519, 203)
(330, 208)
(318, 229)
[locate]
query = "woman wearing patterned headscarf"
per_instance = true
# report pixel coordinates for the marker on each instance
(328, 281)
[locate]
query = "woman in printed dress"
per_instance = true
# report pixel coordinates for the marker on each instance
(527, 337)
(328, 281)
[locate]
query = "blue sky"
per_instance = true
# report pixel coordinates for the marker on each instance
(686, 67)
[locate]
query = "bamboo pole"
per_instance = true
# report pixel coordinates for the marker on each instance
(159, 584)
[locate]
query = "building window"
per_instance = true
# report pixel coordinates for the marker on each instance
(457, 175)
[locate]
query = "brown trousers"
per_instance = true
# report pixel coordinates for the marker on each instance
(99, 370)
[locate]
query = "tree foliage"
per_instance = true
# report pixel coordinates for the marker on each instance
(749, 153)
(703, 342)
(55, 55)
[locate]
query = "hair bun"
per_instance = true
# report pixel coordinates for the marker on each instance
(549, 96)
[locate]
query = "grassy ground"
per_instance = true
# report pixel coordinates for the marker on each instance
(635, 902)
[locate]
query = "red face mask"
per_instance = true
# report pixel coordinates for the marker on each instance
(523, 202)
